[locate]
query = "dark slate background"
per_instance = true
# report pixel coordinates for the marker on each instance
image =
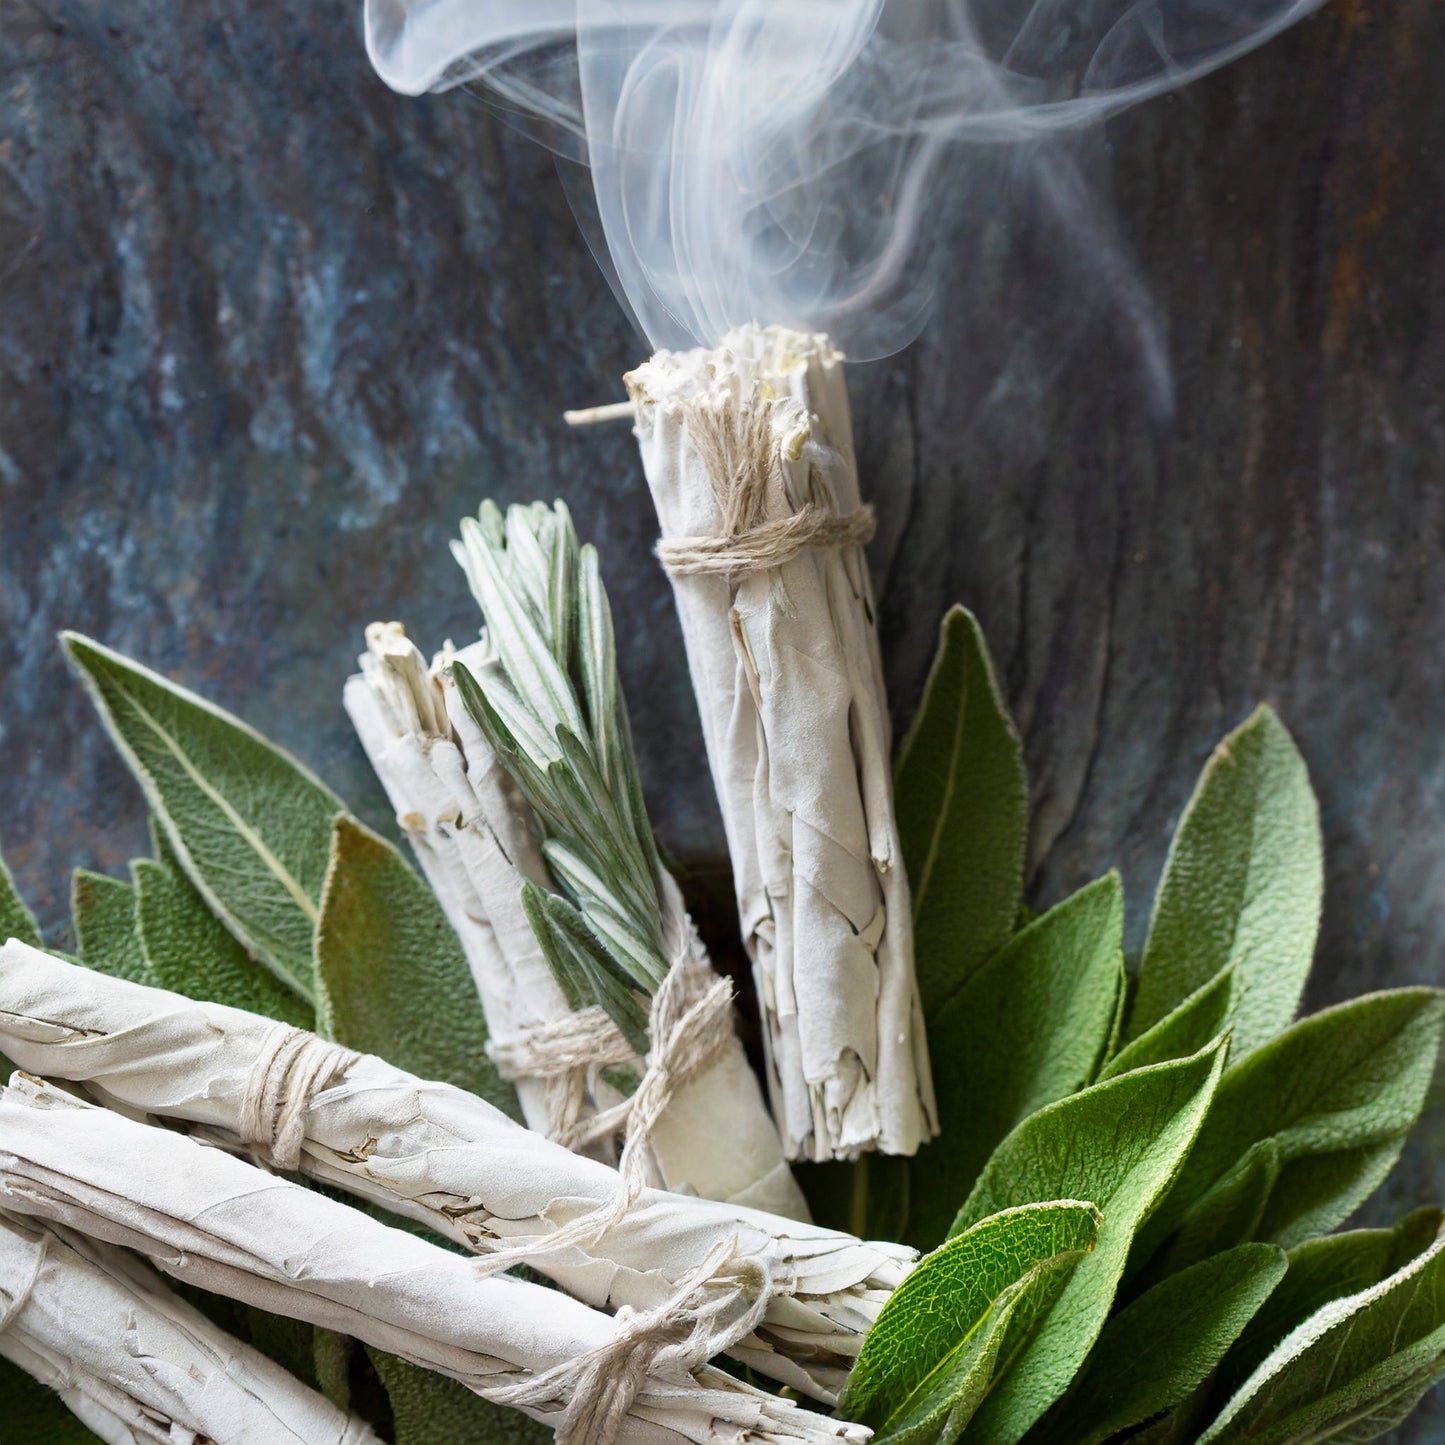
(267, 331)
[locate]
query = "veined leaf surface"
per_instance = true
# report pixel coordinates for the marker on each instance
(1242, 884)
(1120, 1144)
(929, 1359)
(250, 825)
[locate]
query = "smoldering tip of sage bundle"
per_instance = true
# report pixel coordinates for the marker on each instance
(1183, 1277)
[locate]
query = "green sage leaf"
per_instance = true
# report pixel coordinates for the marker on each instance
(929, 1358)
(1227, 1215)
(190, 951)
(962, 809)
(16, 920)
(1154, 1353)
(1352, 1370)
(1200, 1018)
(1028, 1028)
(1120, 1144)
(427, 1407)
(391, 975)
(1322, 1270)
(1338, 1092)
(250, 825)
(1242, 884)
(107, 934)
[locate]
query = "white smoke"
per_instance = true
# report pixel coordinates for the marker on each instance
(796, 161)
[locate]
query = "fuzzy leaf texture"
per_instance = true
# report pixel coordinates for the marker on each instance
(107, 932)
(391, 974)
(929, 1358)
(428, 1408)
(1243, 884)
(1119, 1144)
(1337, 1093)
(1353, 1370)
(1200, 1018)
(16, 920)
(1156, 1351)
(961, 800)
(190, 951)
(1322, 1270)
(1026, 1030)
(249, 824)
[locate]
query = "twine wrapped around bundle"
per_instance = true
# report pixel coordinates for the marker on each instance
(748, 454)
(471, 834)
(230, 1228)
(738, 446)
(450, 1160)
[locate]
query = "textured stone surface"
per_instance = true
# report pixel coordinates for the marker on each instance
(266, 331)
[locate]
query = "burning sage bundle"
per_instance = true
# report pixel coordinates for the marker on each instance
(445, 1157)
(585, 958)
(134, 1361)
(222, 1224)
(749, 456)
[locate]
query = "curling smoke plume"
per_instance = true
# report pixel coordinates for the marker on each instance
(795, 161)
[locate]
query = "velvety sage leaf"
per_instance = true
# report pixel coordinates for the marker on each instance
(931, 1353)
(16, 920)
(1229, 1214)
(34, 1413)
(1242, 884)
(190, 951)
(1321, 1270)
(1338, 1092)
(107, 936)
(1119, 1144)
(962, 809)
(1153, 1354)
(1028, 1028)
(428, 1408)
(250, 825)
(1353, 1369)
(391, 976)
(1200, 1018)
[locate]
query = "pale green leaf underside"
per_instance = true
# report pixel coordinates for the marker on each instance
(1243, 883)
(962, 806)
(249, 824)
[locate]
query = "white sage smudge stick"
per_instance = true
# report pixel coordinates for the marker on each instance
(443, 1156)
(748, 453)
(474, 836)
(136, 1363)
(226, 1226)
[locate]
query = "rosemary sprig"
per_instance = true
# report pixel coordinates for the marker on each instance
(549, 703)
